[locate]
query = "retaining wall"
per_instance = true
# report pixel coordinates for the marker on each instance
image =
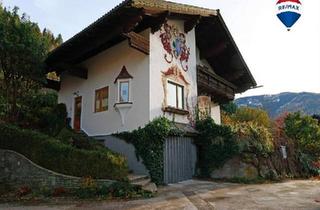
(16, 171)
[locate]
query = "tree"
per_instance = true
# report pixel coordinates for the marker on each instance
(258, 116)
(229, 108)
(23, 49)
(305, 131)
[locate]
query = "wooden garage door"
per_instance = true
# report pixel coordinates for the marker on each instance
(179, 159)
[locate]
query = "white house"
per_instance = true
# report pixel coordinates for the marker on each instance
(145, 59)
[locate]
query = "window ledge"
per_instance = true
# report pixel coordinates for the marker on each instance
(176, 110)
(123, 104)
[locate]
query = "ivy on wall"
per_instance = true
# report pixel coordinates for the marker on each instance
(216, 145)
(149, 144)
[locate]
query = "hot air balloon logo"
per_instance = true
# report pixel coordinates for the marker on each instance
(289, 12)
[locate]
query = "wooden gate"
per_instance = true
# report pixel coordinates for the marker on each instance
(180, 156)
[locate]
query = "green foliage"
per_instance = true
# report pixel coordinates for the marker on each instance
(80, 141)
(90, 189)
(127, 190)
(52, 154)
(148, 142)
(253, 139)
(305, 131)
(229, 108)
(258, 116)
(216, 144)
(23, 49)
(42, 112)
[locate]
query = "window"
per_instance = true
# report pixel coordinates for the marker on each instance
(124, 92)
(175, 96)
(101, 99)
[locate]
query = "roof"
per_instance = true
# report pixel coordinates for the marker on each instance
(138, 15)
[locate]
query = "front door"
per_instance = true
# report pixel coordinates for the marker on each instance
(77, 113)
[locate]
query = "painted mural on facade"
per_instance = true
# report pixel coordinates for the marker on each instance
(174, 43)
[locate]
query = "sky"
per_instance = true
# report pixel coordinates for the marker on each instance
(279, 60)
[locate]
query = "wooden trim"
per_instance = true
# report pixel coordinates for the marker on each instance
(138, 42)
(52, 84)
(176, 110)
(76, 101)
(99, 97)
(191, 23)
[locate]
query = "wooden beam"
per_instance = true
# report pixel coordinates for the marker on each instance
(53, 84)
(159, 21)
(213, 51)
(235, 75)
(138, 42)
(191, 23)
(132, 23)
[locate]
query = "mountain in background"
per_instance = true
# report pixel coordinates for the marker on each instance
(275, 105)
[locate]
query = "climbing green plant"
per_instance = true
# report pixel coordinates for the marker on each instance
(149, 141)
(216, 145)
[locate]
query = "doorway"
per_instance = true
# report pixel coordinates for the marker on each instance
(77, 113)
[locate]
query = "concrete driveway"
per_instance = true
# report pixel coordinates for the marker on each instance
(210, 195)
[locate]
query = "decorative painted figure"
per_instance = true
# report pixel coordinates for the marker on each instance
(174, 43)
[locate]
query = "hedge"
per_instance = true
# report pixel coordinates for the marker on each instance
(52, 154)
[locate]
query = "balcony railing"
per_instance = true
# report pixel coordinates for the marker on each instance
(213, 85)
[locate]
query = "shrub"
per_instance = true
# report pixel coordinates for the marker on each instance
(258, 116)
(23, 191)
(51, 154)
(253, 139)
(229, 108)
(305, 131)
(80, 141)
(216, 144)
(41, 111)
(88, 188)
(148, 142)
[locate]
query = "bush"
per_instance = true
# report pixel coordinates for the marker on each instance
(216, 145)
(305, 133)
(41, 111)
(254, 139)
(52, 154)
(80, 141)
(90, 189)
(229, 108)
(149, 141)
(258, 116)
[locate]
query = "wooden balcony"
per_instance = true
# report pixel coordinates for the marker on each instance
(213, 85)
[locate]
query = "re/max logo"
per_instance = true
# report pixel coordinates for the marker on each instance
(289, 6)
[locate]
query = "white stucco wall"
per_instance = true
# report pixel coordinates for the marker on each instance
(158, 64)
(146, 92)
(215, 108)
(216, 113)
(102, 71)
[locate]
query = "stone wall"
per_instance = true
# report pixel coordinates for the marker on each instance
(235, 168)
(17, 171)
